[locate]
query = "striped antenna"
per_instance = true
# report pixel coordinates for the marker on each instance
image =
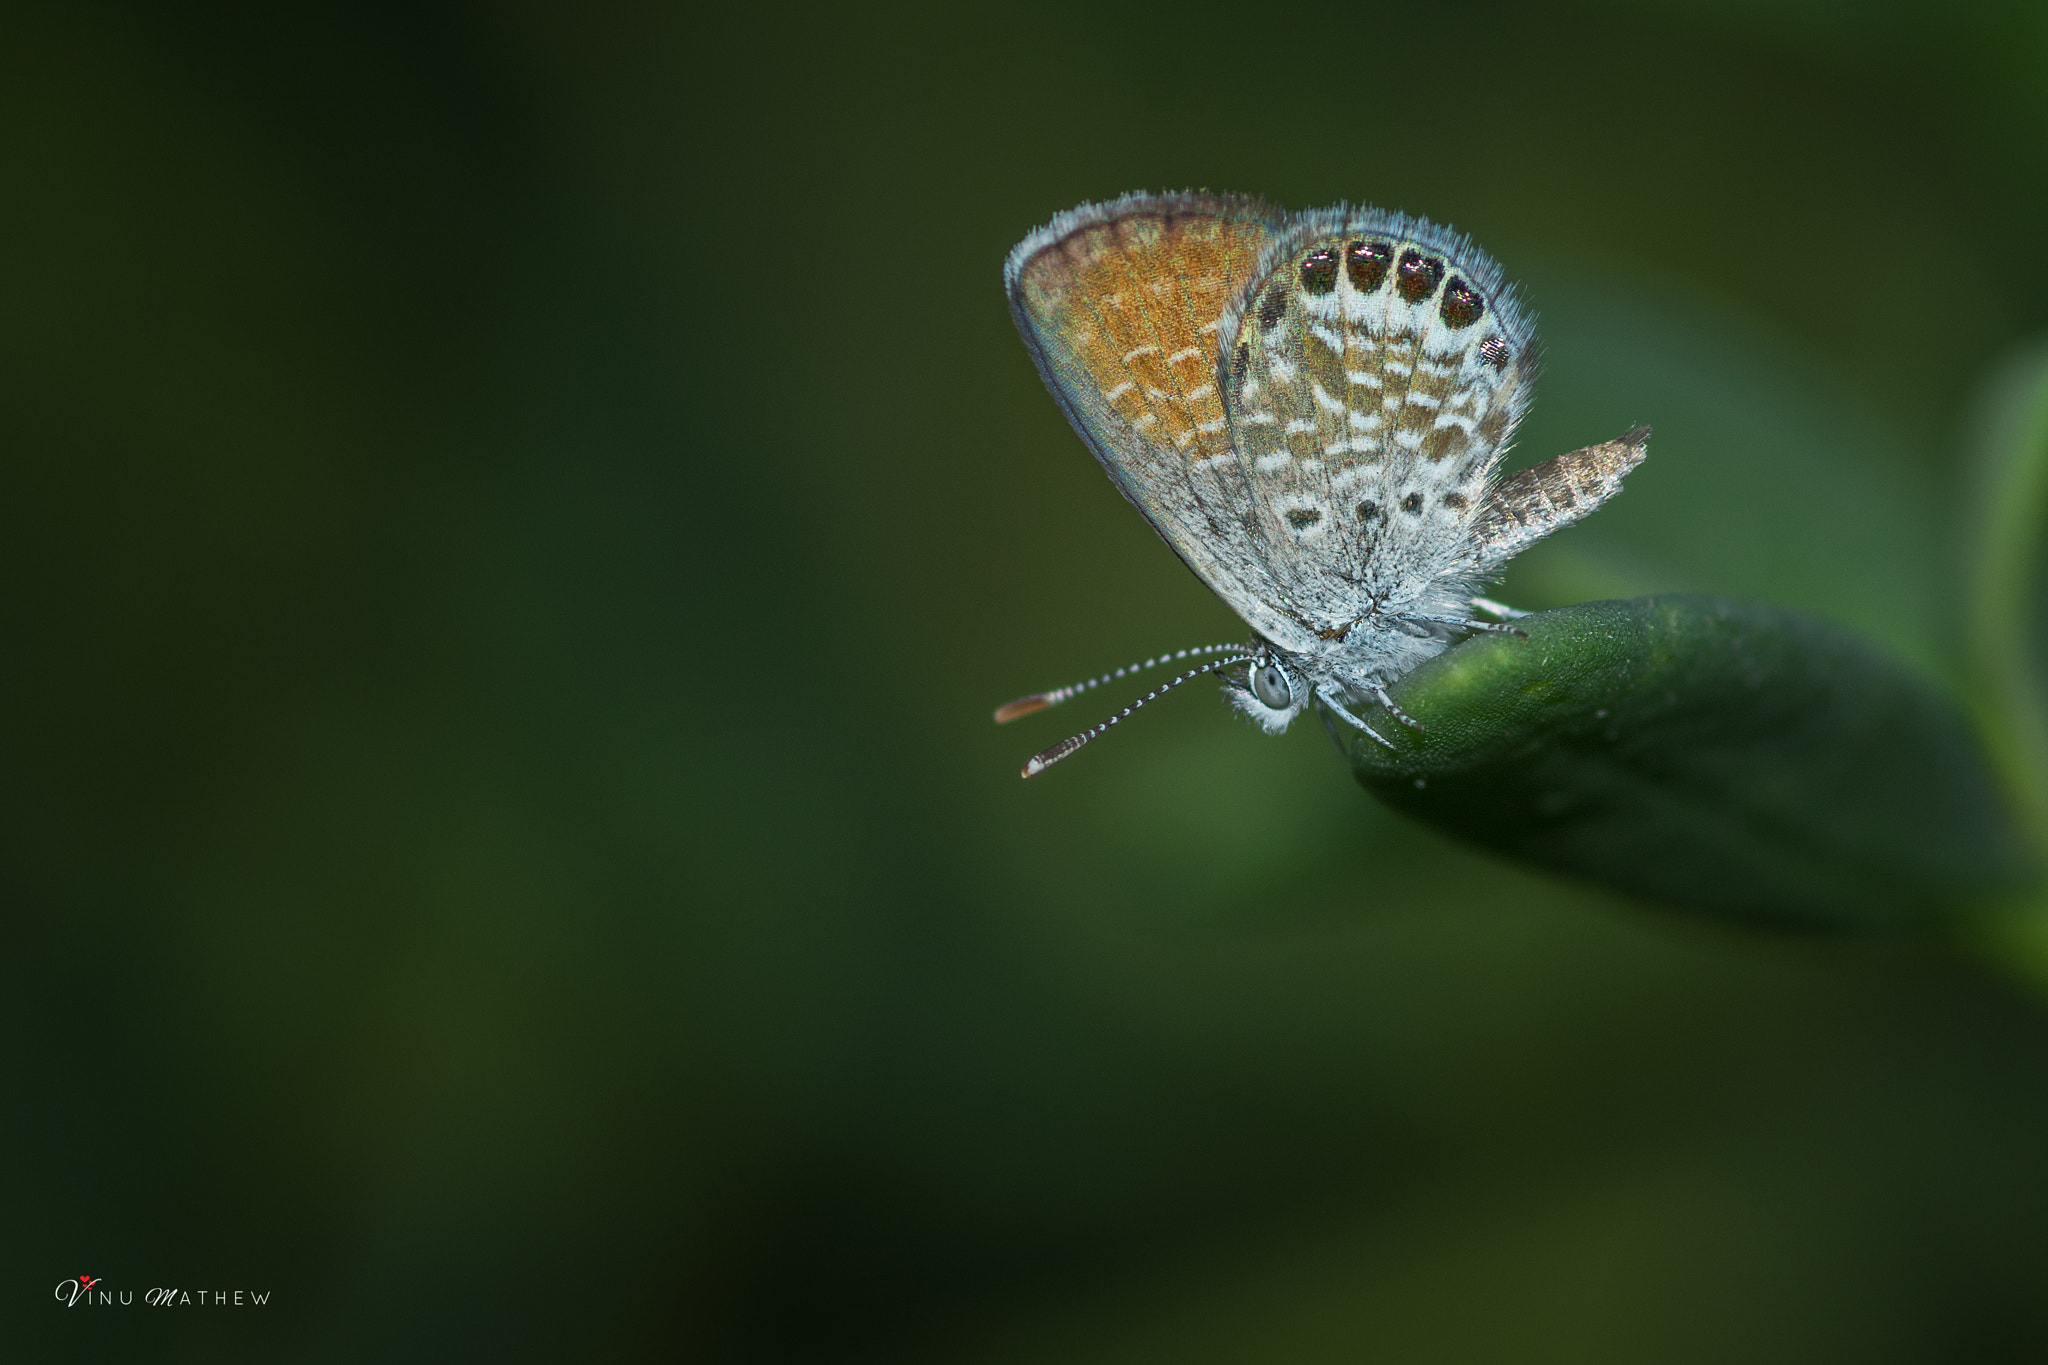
(1038, 701)
(1042, 761)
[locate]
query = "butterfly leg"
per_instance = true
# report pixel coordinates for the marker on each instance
(1498, 609)
(1334, 705)
(1490, 627)
(1379, 692)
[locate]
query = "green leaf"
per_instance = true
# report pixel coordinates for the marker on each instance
(2001, 615)
(1727, 757)
(2006, 535)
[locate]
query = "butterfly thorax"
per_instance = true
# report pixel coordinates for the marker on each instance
(1352, 657)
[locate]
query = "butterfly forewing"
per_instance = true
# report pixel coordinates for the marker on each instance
(1122, 305)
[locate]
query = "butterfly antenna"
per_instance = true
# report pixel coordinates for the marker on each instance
(1040, 762)
(1038, 701)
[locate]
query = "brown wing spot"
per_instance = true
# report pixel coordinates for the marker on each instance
(1319, 271)
(1493, 428)
(1368, 510)
(1301, 518)
(1444, 443)
(1457, 502)
(1417, 277)
(1412, 504)
(1271, 307)
(1494, 352)
(1241, 362)
(1462, 305)
(1367, 264)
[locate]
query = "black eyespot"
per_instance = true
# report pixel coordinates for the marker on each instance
(1301, 518)
(1368, 510)
(1272, 687)
(1412, 504)
(1494, 352)
(1319, 271)
(1462, 305)
(1271, 307)
(1367, 264)
(1417, 277)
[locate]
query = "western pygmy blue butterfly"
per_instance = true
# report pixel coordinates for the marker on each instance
(1309, 409)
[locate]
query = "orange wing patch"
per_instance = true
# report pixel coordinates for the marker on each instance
(1134, 305)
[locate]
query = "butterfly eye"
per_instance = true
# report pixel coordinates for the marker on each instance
(1272, 687)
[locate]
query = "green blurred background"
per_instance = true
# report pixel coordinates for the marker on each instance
(516, 518)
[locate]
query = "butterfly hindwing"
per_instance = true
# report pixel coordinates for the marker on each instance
(1373, 373)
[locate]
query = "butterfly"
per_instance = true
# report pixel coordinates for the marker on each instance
(1309, 408)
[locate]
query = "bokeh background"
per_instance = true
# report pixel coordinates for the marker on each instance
(516, 517)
